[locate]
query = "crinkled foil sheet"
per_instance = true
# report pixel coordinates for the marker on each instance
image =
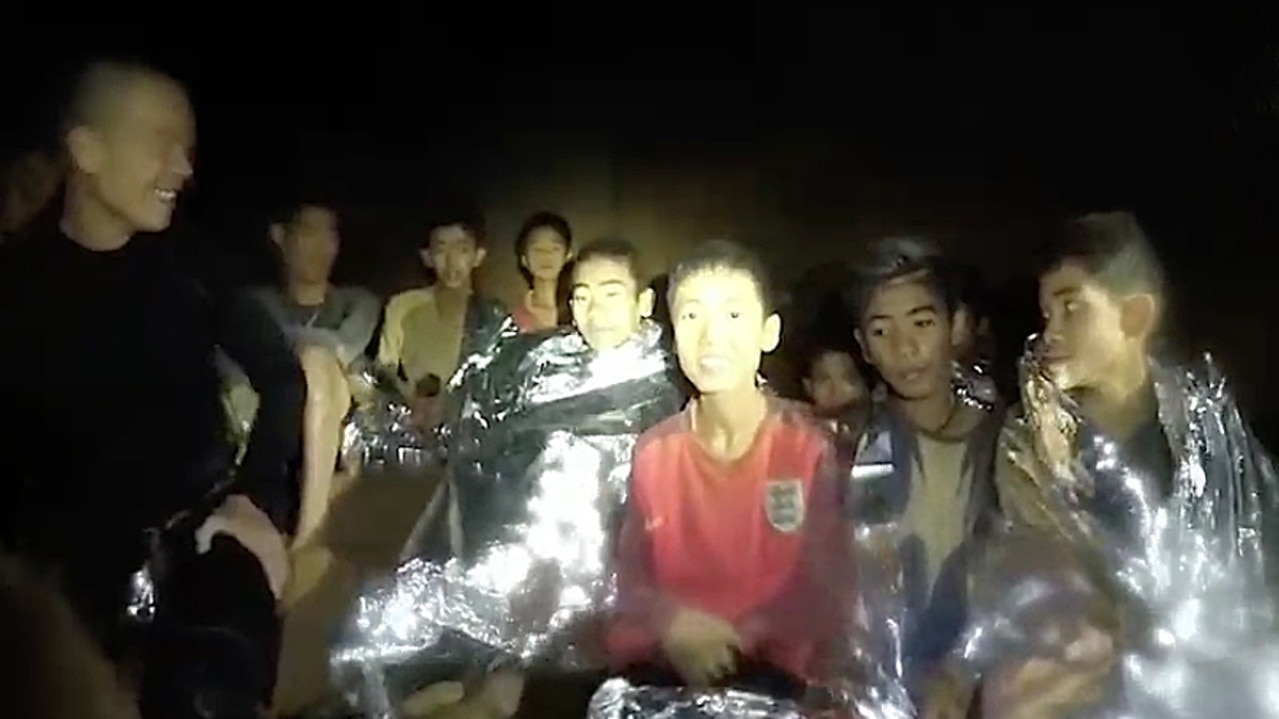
(1180, 583)
(619, 699)
(510, 568)
(379, 435)
(974, 385)
(876, 501)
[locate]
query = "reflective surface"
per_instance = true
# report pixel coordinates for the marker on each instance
(511, 566)
(1169, 569)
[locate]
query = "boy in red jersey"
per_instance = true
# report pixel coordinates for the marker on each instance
(732, 560)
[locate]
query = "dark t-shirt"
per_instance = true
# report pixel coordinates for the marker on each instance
(116, 421)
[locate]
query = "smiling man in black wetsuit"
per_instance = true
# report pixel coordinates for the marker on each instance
(116, 421)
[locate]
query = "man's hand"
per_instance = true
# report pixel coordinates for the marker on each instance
(701, 646)
(241, 520)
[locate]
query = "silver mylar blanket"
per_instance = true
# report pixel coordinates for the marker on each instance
(1178, 578)
(379, 435)
(619, 699)
(511, 568)
(876, 500)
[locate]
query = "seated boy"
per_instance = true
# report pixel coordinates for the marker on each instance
(924, 459)
(732, 563)
(834, 383)
(538, 468)
(329, 327)
(1181, 447)
(428, 333)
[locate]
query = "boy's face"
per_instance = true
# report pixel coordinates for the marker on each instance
(1087, 330)
(309, 243)
(834, 383)
(906, 335)
(721, 329)
(545, 254)
(607, 304)
(453, 254)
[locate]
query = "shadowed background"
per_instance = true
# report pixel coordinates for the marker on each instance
(802, 129)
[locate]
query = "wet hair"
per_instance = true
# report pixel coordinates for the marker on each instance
(470, 220)
(64, 674)
(896, 258)
(724, 255)
(617, 249)
(536, 222)
(97, 89)
(1113, 248)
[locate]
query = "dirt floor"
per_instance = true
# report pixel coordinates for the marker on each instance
(367, 525)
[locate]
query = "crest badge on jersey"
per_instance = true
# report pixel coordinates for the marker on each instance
(784, 505)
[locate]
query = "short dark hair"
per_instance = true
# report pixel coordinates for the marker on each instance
(1113, 248)
(98, 85)
(821, 349)
(288, 210)
(895, 258)
(537, 221)
(471, 221)
(614, 248)
(724, 255)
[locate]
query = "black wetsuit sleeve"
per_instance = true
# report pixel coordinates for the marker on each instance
(255, 342)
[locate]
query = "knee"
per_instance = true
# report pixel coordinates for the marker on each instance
(326, 387)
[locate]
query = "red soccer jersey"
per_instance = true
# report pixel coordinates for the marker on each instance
(759, 541)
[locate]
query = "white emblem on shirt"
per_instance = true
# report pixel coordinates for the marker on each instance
(784, 504)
